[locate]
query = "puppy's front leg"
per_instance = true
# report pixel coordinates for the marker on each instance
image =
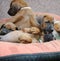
(19, 16)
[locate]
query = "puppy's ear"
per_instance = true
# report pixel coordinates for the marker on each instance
(45, 16)
(13, 1)
(23, 3)
(2, 26)
(48, 18)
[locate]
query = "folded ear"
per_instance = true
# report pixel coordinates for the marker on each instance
(2, 26)
(40, 19)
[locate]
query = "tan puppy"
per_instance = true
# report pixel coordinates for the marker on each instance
(23, 15)
(18, 36)
(46, 23)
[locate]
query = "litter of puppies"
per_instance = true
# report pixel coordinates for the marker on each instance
(25, 27)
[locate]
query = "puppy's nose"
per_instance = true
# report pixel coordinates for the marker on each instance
(9, 12)
(52, 29)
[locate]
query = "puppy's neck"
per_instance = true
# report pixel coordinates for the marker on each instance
(25, 8)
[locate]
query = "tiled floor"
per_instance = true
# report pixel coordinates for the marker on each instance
(51, 6)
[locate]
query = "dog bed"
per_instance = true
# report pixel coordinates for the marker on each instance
(48, 51)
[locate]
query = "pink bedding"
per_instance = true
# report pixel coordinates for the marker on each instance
(7, 48)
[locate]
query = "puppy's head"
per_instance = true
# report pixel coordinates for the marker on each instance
(57, 26)
(11, 26)
(48, 18)
(47, 24)
(47, 27)
(15, 6)
(44, 19)
(6, 28)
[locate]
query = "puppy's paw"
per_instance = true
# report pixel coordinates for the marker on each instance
(10, 25)
(35, 30)
(27, 30)
(25, 38)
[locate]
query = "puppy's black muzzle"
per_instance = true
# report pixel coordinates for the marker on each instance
(11, 13)
(48, 37)
(49, 28)
(13, 10)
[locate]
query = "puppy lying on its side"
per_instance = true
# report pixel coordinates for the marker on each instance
(8, 27)
(46, 23)
(18, 36)
(48, 32)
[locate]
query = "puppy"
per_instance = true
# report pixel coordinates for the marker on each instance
(6, 28)
(22, 14)
(18, 36)
(57, 29)
(46, 23)
(48, 32)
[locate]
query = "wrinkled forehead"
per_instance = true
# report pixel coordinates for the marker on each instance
(49, 24)
(48, 18)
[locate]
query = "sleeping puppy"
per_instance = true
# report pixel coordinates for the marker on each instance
(57, 29)
(47, 26)
(18, 36)
(6, 28)
(22, 14)
(48, 32)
